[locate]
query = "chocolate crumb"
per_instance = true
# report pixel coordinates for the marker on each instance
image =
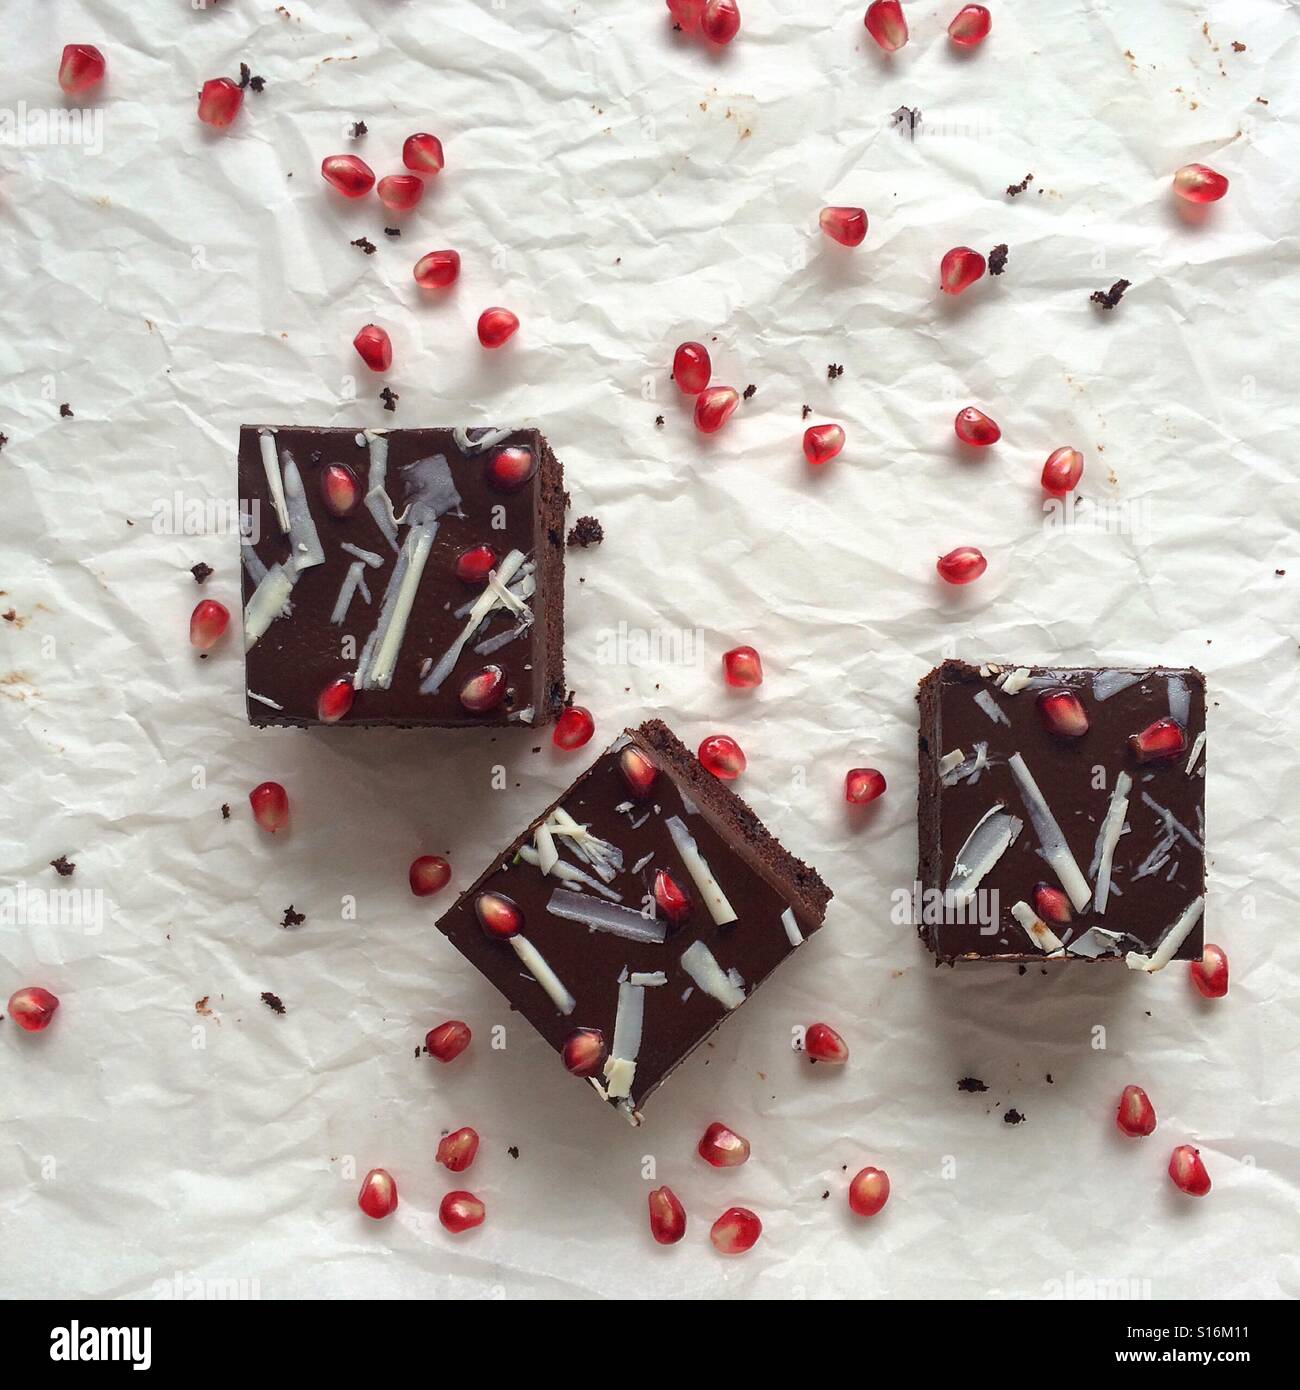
(513, 1151)
(1238, 46)
(389, 398)
(272, 1002)
(10, 615)
(1013, 1117)
(749, 392)
(807, 411)
(392, 231)
(826, 1194)
(246, 79)
(971, 1083)
(998, 259)
(4, 439)
(292, 918)
(201, 1006)
(1109, 298)
(225, 810)
(65, 410)
(365, 244)
(201, 572)
(586, 531)
(358, 129)
(1050, 1082)
(1020, 969)
(1015, 189)
(833, 370)
(1279, 572)
(659, 422)
(63, 866)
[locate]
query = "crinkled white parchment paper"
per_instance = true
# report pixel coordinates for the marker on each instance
(622, 189)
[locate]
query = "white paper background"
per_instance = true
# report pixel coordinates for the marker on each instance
(623, 189)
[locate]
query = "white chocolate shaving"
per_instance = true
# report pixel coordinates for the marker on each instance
(368, 556)
(993, 834)
(1013, 682)
(569, 873)
(714, 898)
(544, 843)
(256, 569)
(533, 961)
(950, 761)
(377, 672)
(349, 587)
(1169, 943)
(604, 857)
(486, 440)
(702, 966)
(990, 706)
(266, 603)
(264, 699)
(1180, 699)
(1170, 823)
(1050, 839)
(619, 1074)
(1096, 941)
(968, 769)
(791, 925)
(1197, 744)
(305, 548)
(1037, 930)
(626, 922)
(274, 483)
(626, 1044)
(1112, 827)
(647, 978)
(482, 606)
(1108, 683)
(378, 502)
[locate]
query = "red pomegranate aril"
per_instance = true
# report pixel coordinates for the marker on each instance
(429, 874)
(721, 1147)
(692, 368)
(961, 566)
(735, 1231)
(510, 469)
(720, 22)
(437, 270)
(219, 102)
(584, 1052)
(207, 623)
(32, 1008)
(353, 177)
(573, 728)
(448, 1040)
(886, 24)
(673, 900)
(1051, 904)
(667, 1216)
(1198, 183)
(456, 1151)
(869, 1191)
(742, 668)
(484, 690)
(374, 347)
(461, 1211)
(1166, 738)
(1210, 973)
(1136, 1116)
(721, 755)
(863, 784)
(1062, 713)
(270, 803)
(970, 26)
(959, 269)
(339, 489)
(1188, 1172)
(378, 1195)
(821, 443)
(1062, 471)
(498, 915)
(713, 408)
(823, 1044)
(687, 14)
(81, 67)
(638, 772)
(475, 564)
(335, 701)
(423, 153)
(400, 192)
(848, 226)
(976, 428)
(496, 327)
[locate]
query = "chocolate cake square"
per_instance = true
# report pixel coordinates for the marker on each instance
(402, 577)
(636, 914)
(1062, 814)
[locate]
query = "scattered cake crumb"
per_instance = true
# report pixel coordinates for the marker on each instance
(272, 1002)
(807, 411)
(365, 245)
(1013, 1117)
(659, 422)
(392, 231)
(389, 398)
(63, 866)
(1108, 299)
(358, 129)
(971, 1083)
(225, 810)
(292, 918)
(65, 410)
(586, 531)
(750, 392)
(513, 1151)
(201, 572)
(201, 1007)
(998, 259)
(1014, 190)
(833, 370)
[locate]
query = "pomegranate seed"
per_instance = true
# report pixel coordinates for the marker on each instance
(584, 1052)
(713, 407)
(339, 489)
(687, 13)
(423, 153)
(673, 900)
(32, 1008)
(667, 1216)
(959, 269)
(437, 270)
(374, 347)
(735, 1231)
(461, 1211)
(863, 784)
(821, 443)
(429, 874)
(742, 668)
(970, 26)
(335, 701)
(1210, 973)
(722, 1147)
(400, 192)
(720, 22)
(962, 565)
(573, 728)
(510, 469)
(1136, 1116)
(638, 772)
(475, 564)
(448, 1040)
(353, 177)
(1166, 738)
(692, 368)
(484, 690)
(1062, 471)
(496, 327)
(823, 1044)
(886, 24)
(974, 427)
(1198, 183)
(219, 102)
(1188, 1172)
(81, 66)
(498, 915)
(1051, 904)
(378, 1195)
(1062, 713)
(869, 1191)
(848, 226)
(207, 623)
(456, 1151)
(270, 803)
(720, 754)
